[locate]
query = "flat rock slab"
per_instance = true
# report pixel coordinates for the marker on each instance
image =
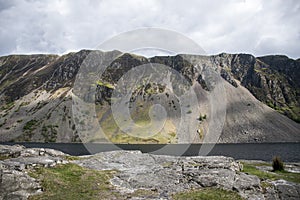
(170, 174)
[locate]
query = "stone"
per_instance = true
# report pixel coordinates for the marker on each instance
(11, 151)
(171, 174)
(17, 185)
(287, 190)
(162, 175)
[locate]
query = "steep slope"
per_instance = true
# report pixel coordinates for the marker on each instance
(36, 98)
(273, 80)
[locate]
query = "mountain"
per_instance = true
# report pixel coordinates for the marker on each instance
(256, 100)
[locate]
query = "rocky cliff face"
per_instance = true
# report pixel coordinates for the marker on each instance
(36, 97)
(273, 80)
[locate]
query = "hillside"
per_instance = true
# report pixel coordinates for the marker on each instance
(258, 98)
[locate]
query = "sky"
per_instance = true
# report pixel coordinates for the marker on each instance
(233, 26)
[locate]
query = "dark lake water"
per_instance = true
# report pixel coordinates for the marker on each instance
(289, 152)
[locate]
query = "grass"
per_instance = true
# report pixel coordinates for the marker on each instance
(2, 157)
(141, 118)
(22, 104)
(265, 185)
(49, 133)
(108, 85)
(28, 129)
(145, 194)
(73, 182)
(8, 106)
(263, 175)
(71, 158)
(292, 112)
(30, 125)
(207, 194)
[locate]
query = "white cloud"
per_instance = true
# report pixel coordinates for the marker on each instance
(56, 26)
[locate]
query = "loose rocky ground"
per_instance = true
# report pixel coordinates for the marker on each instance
(50, 174)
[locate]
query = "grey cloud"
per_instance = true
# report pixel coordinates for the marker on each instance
(54, 26)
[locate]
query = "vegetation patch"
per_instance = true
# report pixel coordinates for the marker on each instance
(292, 112)
(39, 105)
(50, 133)
(207, 194)
(30, 125)
(141, 118)
(8, 106)
(71, 158)
(265, 185)
(21, 105)
(72, 182)
(145, 194)
(3, 123)
(28, 129)
(4, 157)
(277, 164)
(264, 175)
(105, 84)
(200, 133)
(202, 117)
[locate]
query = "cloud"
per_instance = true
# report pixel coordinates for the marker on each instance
(57, 26)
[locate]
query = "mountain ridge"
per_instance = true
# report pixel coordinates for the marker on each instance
(38, 85)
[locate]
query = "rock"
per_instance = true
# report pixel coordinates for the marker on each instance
(15, 182)
(30, 152)
(22, 163)
(248, 186)
(287, 190)
(17, 185)
(162, 175)
(11, 151)
(171, 174)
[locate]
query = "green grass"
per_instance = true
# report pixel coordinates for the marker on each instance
(73, 182)
(8, 106)
(263, 175)
(207, 194)
(108, 85)
(141, 118)
(293, 112)
(49, 133)
(30, 125)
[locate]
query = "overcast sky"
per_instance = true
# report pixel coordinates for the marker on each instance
(54, 26)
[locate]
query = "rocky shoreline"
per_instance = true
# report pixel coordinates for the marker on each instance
(160, 176)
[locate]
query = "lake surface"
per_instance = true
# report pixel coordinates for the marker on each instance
(289, 152)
